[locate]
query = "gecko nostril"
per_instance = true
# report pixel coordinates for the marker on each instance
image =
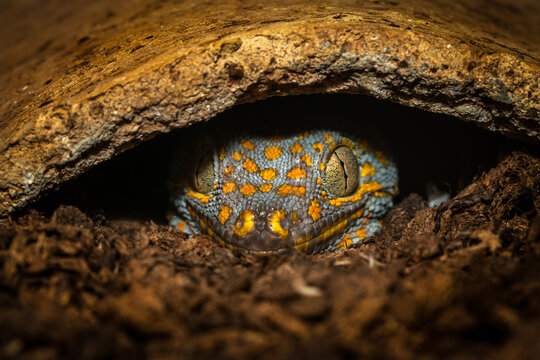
(278, 224)
(245, 223)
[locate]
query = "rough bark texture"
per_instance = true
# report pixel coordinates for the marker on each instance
(83, 81)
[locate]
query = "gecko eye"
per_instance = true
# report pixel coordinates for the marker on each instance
(342, 172)
(205, 173)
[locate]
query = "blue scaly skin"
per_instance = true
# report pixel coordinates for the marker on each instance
(312, 191)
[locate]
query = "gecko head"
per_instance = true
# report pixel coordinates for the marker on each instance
(265, 194)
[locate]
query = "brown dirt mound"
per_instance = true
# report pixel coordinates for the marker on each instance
(458, 281)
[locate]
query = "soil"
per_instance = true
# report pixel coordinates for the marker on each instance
(458, 281)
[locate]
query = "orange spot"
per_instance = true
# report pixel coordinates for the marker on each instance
(361, 234)
(201, 197)
(321, 166)
(305, 134)
(250, 166)
(192, 212)
(318, 147)
(307, 159)
(358, 214)
(228, 171)
(371, 187)
(229, 187)
(345, 242)
(285, 190)
(224, 214)
(265, 187)
(202, 223)
(222, 154)
(367, 169)
(294, 217)
(248, 189)
(275, 221)
(296, 173)
(268, 174)
(273, 152)
(319, 181)
(382, 158)
(329, 138)
(248, 145)
(236, 156)
(314, 210)
(296, 148)
(245, 223)
(181, 225)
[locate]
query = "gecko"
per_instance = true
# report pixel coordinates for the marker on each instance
(311, 190)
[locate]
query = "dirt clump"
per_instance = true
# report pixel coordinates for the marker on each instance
(458, 281)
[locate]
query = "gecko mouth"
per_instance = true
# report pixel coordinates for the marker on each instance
(264, 235)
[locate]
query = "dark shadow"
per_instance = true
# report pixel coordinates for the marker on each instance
(428, 148)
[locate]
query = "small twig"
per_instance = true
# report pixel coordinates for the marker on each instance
(371, 260)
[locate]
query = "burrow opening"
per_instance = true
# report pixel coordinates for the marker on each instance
(435, 153)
